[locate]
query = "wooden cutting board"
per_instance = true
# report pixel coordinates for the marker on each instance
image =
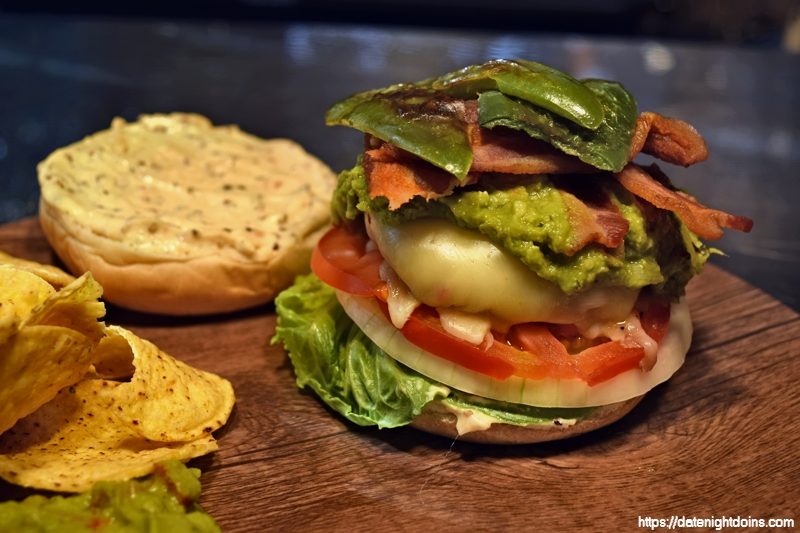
(721, 438)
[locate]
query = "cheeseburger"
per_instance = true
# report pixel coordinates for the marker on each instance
(499, 269)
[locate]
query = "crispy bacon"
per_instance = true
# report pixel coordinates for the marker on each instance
(593, 223)
(703, 221)
(399, 176)
(508, 151)
(668, 139)
(515, 152)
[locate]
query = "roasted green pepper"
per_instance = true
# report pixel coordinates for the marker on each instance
(605, 148)
(410, 118)
(530, 81)
(425, 118)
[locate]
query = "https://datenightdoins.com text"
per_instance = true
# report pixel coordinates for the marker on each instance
(717, 523)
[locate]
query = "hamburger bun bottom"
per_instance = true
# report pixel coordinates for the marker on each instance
(201, 286)
(437, 419)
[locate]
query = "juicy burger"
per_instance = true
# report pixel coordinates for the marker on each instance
(499, 269)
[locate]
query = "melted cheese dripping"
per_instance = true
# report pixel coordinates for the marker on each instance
(448, 267)
(399, 300)
(629, 332)
(468, 327)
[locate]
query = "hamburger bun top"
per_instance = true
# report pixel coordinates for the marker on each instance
(173, 215)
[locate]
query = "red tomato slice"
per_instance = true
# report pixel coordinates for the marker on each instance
(593, 365)
(424, 330)
(538, 339)
(655, 320)
(604, 361)
(340, 259)
(532, 351)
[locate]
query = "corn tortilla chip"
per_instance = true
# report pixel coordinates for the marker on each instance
(74, 441)
(81, 402)
(176, 402)
(46, 339)
(100, 429)
(52, 275)
(20, 293)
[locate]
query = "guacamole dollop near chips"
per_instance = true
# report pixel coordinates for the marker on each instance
(165, 501)
(81, 402)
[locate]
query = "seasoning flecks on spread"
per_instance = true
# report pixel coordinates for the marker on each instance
(174, 187)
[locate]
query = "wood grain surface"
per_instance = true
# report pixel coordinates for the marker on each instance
(721, 438)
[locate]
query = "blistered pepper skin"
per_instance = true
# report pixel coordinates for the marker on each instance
(425, 119)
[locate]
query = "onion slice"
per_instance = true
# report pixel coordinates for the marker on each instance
(550, 392)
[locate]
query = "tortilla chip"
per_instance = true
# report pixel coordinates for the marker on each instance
(177, 402)
(101, 429)
(20, 293)
(52, 275)
(46, 339)
(74, 441)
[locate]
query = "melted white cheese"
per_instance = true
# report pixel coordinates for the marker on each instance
(446, 266)
(399, 300)
(466, 326)
(629, 331)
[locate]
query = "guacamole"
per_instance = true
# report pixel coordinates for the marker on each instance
(531, 221)
(164, 502)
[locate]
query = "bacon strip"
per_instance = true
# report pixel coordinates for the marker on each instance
(703, 221)
(592, 223)
(514, 152)
(668, 139)
(399, 177)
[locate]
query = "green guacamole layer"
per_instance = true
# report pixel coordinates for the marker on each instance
(164, 502)
(530, 220)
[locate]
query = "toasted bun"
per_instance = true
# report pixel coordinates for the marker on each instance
(175, 216)
(436, 418)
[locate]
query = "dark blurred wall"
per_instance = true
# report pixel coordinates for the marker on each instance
(744, 22)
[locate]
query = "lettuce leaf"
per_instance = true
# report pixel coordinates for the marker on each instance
(515, 414)
(360, 381)
(348, 372)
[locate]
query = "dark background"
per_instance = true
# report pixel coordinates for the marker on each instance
(731, 68)
(740, 22)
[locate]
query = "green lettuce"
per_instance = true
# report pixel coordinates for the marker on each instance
(515, 414)
(333, 357)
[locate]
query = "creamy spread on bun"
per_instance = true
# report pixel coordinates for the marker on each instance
(499, 268)
(176, 192)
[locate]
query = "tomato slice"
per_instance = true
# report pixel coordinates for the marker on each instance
(538, 339)
(593, 364)
(424, 330)
(531, 350)
(655, 319)
(604, 361)
(341, 260)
